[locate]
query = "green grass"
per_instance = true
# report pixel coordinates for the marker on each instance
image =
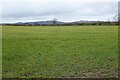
(0, 52)
(67, 51)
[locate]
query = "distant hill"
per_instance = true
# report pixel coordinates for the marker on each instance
(57, 22)
(52, 22)
(41, 22)
(84, 21)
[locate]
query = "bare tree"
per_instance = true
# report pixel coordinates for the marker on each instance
(54, 20)
(115, 18)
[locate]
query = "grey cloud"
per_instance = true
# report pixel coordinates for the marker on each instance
(66, 11)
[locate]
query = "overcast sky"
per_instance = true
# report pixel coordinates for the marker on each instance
(63, 10)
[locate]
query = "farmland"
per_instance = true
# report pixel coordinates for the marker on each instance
(66, 51)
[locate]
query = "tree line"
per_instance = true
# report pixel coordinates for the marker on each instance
(65, 24)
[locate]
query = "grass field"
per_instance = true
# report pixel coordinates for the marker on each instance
(67, 51)
(0, 52)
